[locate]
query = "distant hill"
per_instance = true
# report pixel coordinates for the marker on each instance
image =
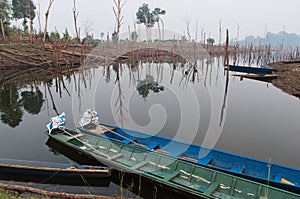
(281, 38)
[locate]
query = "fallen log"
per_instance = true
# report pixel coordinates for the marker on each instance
(51, 194)
(18, 60)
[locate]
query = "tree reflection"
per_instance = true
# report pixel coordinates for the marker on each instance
(148, 84)
(119, 102)
(12, 103)
(32, 101)
(10, 106)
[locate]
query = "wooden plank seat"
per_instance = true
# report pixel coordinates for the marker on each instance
(139, 165)
(116, 156)
(171, 176)
(75, 136)
(212, 188)
(100, 129)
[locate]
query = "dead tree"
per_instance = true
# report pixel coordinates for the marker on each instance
(220, 34)
(75, 16)
(196, 33)
(31, 30)
(39, 16)
(2, 28)
(187, 23)
(46, 20)
(119, 19)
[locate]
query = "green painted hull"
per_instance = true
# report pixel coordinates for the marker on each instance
(177, 174)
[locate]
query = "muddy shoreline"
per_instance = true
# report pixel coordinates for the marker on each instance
(288, 79)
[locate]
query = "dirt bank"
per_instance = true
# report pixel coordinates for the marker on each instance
(14, 56)
(288, 77)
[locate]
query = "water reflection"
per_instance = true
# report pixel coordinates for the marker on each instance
(32, 101)
(21, 94)
(148, 84)
(14, 101)
(128, 94)
(11, 106)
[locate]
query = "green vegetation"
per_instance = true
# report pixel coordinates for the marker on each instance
(5, 10)
(24, 9)
(210, 41)
(13, 195)
(144, 16)
(66, 35)
(148, 18)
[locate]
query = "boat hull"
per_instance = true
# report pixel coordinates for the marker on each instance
(167, 171)
(53, 173)
(250, 168)
(253, 70)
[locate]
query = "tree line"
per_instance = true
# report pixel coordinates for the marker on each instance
(27, 11)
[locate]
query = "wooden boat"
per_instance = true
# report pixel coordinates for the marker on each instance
(54, 173)
(263, 78)
(182, 176)
(265, 172)
(255, 70)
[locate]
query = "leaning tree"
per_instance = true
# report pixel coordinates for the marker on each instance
(157, 12)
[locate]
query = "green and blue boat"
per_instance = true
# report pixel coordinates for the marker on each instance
(184, 176)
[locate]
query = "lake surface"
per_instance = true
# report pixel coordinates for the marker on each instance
(246, 117)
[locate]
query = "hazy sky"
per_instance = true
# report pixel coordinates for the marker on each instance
(253, 16)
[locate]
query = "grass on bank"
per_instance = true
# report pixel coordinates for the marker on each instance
(5, 194)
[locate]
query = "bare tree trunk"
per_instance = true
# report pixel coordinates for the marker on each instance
(39, 16)
(220, 34)
(75, 16)
(238, 33)
(46, 20)
(158, 26)
(119, 19)
(187, 23)
(31, 30)
(2, 28)
(227, 54)
(196, 33)
(129, 32)
(163, 29)
(147, 28)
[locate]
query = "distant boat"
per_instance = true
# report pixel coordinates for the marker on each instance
(54, 173)
(255, 70)
(172, 173)
(264, 78)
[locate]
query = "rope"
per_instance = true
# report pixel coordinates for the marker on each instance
(87, 185)
(269, 175)
(50, 177)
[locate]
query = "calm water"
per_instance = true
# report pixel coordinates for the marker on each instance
(248, 117)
